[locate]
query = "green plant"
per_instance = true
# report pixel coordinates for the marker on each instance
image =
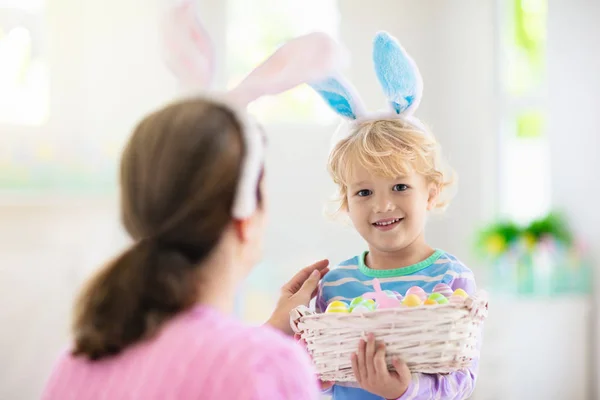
(499, 237)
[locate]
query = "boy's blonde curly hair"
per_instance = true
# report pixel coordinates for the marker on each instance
(389, 148)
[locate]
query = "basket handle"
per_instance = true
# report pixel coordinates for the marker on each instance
(478, 304)
(296, 314)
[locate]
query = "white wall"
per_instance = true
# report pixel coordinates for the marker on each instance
(105, 73)
(45, 253)
(105, 69)
(574, 98)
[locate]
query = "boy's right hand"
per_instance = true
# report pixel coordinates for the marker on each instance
(372, 374)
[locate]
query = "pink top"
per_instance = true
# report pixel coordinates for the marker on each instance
(201, 354)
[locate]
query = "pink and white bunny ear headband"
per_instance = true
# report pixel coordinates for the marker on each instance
(190, 55)
(398, 76)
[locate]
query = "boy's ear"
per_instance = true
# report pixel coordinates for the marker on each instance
(344, 204)
(434, 193)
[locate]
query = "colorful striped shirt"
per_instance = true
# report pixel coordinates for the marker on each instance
(353, 278)
(200, 354)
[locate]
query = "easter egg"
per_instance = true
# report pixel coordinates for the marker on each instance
(443, 289)
(337, 307)
(393, 295)
(438, 298)
(430, 302)
(364, 306)
(397, 295)
(435, 296)
(442, 300)
(460, 292)
(355, 302)
(412, 300)
(417, 291)
(370, 304)
(456, 300)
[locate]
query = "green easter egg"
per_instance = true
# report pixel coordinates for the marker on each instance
(442, 300)
(355, 302)
(369, 303)
(436, 296)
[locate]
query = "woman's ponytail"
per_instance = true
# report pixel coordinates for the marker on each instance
(130, 298)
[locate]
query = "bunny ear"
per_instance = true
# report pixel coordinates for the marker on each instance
(188, 50)
(341, 96)
(303, 59)
(397, 73)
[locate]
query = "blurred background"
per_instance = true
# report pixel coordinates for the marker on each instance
(511, 91)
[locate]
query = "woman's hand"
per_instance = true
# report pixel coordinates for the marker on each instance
(371, 371)
(298, 291)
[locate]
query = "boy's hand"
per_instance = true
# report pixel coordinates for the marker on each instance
(371, 371)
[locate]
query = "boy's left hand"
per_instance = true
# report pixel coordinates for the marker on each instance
(372, 374)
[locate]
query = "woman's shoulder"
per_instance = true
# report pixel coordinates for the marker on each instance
(263, 358)
(229, 335)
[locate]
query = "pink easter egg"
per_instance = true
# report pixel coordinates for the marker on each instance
(444, 289)
(398, 295)
(456, 300)
(417, 291)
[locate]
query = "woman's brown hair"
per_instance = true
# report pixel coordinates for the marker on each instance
(179, 174)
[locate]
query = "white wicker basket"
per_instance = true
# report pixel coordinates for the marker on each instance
(431, 339)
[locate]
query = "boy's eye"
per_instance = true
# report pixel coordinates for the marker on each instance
(363, 193)
(400, 187)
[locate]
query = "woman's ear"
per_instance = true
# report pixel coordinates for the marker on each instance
(242, 229)
(248, 229)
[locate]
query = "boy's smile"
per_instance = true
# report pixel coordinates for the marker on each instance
(389, 213)
(387, 224)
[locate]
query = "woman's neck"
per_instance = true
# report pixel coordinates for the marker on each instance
(219, 280)
(414, 253)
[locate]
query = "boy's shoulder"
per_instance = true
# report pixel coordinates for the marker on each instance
(453, 264)
(347, 268)
(457, 274)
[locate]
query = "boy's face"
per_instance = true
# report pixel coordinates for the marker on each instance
(389, 213)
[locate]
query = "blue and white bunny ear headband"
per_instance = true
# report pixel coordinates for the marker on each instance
(399, 77)
(190, 55)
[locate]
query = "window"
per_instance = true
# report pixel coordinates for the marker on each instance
(255, 29)
(525, 161)
(24, 87)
